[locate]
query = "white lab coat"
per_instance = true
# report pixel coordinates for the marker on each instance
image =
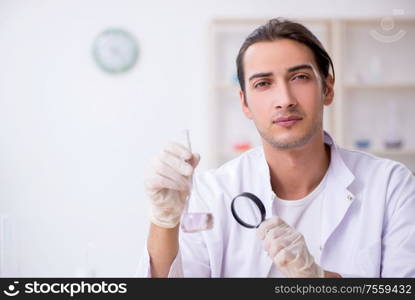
(368, 219)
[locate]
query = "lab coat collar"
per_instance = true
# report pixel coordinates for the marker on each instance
(338, 196)
(338, 169)
(339, 172)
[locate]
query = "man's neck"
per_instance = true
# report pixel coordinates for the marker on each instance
(296, 172)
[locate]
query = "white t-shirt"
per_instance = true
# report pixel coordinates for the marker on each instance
(305, 216)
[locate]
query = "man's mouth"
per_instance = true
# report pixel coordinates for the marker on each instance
(287, 121)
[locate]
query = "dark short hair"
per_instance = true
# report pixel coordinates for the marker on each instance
(278, 28)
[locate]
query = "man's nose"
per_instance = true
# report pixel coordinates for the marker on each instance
(284, 98)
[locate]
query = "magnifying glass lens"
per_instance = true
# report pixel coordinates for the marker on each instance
(248, 210)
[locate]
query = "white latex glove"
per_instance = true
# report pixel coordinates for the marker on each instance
(287, 249)
(169, 184)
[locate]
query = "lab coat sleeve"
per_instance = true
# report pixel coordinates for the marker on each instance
(344, 275)
(193, 257)
(398, 242)
(144, 267)
(191, 260)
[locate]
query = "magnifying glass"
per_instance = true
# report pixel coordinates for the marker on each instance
(248, 210)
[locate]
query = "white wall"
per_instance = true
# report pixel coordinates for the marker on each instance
(74, 141)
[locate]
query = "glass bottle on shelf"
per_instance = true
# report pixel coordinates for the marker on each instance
(393, 138)
(362, 140)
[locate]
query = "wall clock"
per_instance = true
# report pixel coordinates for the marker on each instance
(115, 50)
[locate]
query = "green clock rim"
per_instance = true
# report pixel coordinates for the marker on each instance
(135, 50)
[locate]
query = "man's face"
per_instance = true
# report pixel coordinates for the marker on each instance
(284, 95)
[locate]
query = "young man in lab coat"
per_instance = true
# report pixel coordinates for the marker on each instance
(330, 212)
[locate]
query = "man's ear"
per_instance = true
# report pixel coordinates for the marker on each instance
(329, 90)
(244, 105)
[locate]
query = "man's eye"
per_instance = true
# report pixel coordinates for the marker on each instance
(261, 84)
(301, 77)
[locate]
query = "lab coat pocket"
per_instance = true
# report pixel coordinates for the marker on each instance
(368, 260)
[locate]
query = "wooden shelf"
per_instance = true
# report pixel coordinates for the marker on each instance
(389, 152)
(380, 86)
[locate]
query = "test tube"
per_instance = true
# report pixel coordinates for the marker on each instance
(194, 221)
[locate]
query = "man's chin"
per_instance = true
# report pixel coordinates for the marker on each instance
(289, 141)
(287, 145)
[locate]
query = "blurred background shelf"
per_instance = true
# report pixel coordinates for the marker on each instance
(391, 152)
(381, 86)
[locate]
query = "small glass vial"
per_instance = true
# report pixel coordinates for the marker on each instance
(193, 221)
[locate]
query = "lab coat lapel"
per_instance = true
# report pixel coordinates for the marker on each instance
(335, 205)
(338, 197)
(262, 188)
(263, 263)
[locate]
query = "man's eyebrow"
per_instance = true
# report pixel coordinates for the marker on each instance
(289, 70)
(263, 74)
(299, 67)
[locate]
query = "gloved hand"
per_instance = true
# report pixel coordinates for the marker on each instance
(287, 249)
(169, 184)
